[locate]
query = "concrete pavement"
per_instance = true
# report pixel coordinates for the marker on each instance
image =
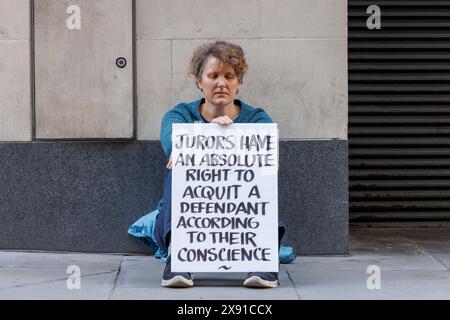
(404, 263)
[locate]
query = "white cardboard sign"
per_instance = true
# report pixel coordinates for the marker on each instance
(224, 198)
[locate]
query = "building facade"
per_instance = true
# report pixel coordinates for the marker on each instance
(84, 85)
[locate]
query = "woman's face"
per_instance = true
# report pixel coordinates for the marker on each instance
(218, 82)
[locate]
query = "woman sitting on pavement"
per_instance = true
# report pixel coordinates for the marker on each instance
(218, 68)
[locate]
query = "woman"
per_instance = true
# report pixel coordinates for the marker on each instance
(219, 69)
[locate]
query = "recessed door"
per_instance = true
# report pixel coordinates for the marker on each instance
(83, 52)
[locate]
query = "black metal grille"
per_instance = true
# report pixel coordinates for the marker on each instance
(399, 111)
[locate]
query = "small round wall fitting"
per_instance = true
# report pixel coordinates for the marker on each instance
(121, 62)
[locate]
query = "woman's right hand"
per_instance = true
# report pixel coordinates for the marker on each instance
(223, 120)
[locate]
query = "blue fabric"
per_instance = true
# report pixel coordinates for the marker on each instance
(161, 254)
(190, 113)
(286, 254)
(143, 230)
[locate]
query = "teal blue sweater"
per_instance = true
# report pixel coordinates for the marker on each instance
(190, 113)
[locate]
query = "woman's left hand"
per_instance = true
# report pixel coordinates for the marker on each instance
(223, 120)
(169, 164)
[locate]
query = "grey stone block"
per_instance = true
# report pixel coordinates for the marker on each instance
(80, 92)
(154, 86)
(302, 83)
(84, 196)
(14, 20)
(313, 196)
(306, 94)
(303, 18)
(15, 101)
(175, 19)
(77, 196)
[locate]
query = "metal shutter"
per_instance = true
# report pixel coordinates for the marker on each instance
(399, 111)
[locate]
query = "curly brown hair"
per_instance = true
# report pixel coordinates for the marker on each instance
(222, 50)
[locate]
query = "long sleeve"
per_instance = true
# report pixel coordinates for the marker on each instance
(169, 118)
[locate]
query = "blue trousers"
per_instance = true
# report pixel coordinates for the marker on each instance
(164, 218)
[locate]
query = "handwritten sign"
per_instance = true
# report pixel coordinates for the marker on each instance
(224, 198)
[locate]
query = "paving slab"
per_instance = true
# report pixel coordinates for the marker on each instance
(54, 260)
(12, 277)
(430, 239)
(363, 259)
(433, 240)
(92, 287)
(140, 272)
(414, 264)
(352, 284)
(140, 278)
(381, 240)
(43, 275)
(443, 258)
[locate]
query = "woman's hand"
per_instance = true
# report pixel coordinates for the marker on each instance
(223, 120)
(169, 164)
